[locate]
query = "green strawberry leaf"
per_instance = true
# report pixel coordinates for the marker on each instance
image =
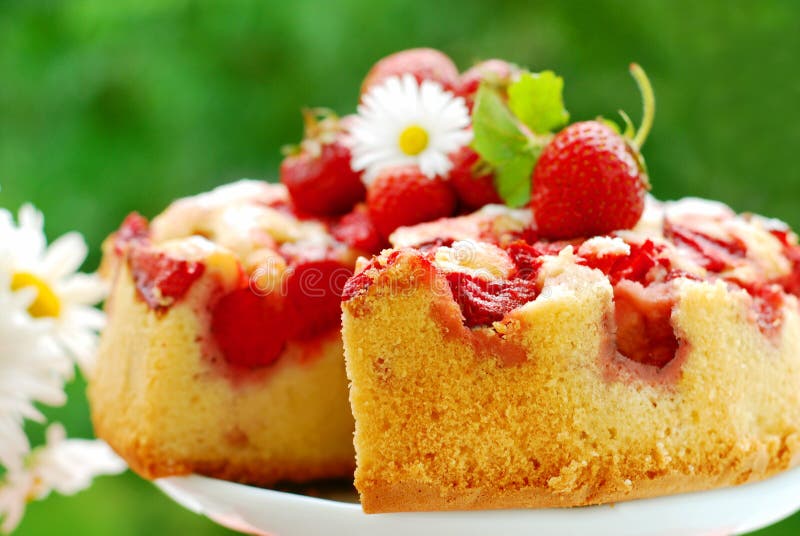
(501, 143)
(516, 192)
(537, 100)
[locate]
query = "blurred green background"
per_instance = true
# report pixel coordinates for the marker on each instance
(113, 106)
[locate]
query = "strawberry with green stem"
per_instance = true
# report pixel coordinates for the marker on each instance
(586, 180)
(317, 172)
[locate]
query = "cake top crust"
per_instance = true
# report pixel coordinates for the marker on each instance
(495, 264)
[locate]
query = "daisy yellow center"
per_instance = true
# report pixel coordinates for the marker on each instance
(413, 140)
(46, 302)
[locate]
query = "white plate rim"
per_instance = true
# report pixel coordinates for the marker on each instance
(723, 511)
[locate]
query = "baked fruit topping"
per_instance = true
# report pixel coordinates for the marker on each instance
(491, 272)
(161, 279)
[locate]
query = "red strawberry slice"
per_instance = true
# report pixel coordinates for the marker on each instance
(527, 258)
(644, 324)
(162, 280)
(715, 255)
(635, 266)
(483, 302)
(134, 228)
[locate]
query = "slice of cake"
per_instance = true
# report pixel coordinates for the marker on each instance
(222, 355)
(593, 346)
(490, 372)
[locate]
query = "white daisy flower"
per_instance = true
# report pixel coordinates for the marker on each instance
(33, 368)
(62, 465)
(49, 275)
(403, 122)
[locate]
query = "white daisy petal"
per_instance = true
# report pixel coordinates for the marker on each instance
(85, 289)
(81, 344)
(62, 465)
(389, 109)
(65, 256)
(87, 317)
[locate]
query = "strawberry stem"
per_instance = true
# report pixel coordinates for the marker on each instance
(648, 104)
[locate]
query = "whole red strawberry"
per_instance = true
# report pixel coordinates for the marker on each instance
(497, 73)
(588, 181)
(472, 181)
(423, 63)
(405, 196)
(317, 173)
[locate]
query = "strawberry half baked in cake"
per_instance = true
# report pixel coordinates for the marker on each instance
(593, 346)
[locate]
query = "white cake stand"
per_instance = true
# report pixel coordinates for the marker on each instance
(728, 511)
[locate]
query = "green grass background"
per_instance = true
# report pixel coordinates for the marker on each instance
(113, 106)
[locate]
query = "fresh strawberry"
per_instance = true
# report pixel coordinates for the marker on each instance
(405, 196)
(357, 231)
(472, 181)
(251, 330)
(423, 63)
(588, 181)
(317, 173)
(497, 73)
